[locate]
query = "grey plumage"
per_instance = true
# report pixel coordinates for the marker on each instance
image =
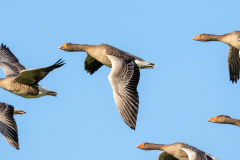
(232, 39)
(8, 126)
(33, 76)
(124, 78)
(233, 63)
(20, 81)
(177, 151)
(96, 56)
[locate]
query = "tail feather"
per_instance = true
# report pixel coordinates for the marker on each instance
(52, 93)
(144, 64)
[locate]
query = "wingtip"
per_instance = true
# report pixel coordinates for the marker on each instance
(133, 127)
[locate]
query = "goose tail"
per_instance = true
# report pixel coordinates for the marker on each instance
(144, 64)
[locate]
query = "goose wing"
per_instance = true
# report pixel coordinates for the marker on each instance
(91, 65)
(33, 76)
(165, 156)
(124, 78)
(9, 63)
(194, 155)
(119, 53)
(233, 63)
(8, 126)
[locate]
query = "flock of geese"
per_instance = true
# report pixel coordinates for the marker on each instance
(124, 78)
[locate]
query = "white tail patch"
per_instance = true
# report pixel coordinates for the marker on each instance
(144, 64)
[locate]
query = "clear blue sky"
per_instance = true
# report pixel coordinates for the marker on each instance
(189, 85)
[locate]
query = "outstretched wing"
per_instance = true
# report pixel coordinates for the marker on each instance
(165, 156)
(194, 155)
(91, 65)
(33, 76)
(8, 126)
(234, 64)
(9, 63)
(124, 78)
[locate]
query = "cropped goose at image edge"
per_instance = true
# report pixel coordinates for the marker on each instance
(20, 81)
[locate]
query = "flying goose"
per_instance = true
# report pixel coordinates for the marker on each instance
(8, 126)
(224, 120)
(177, 151)
(233, 41)
(20, 81)
(124, 76)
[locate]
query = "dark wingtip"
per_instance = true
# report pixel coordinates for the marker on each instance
(3, 46)
(60, 63)
(133, 127)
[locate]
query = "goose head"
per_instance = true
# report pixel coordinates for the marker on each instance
(67, 47)
(200, 37)
(219, 119)
(144, 146)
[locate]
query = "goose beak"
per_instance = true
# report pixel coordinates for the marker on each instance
(62, 47)
(140, 146)
(196, 38)
(212, 119)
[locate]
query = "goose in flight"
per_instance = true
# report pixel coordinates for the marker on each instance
(8, 126)
(20, 81)
(233, 41)
(177, 151)
(224, 120)
(124, 76)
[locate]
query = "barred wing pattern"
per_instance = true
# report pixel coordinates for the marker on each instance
(8, 126)
(33, 76)
(9, 63)
(234, 64)
(124, 78)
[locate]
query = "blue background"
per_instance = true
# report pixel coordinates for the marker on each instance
(189, 85)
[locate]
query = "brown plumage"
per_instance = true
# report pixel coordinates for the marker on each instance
(224, 120)
(233, 41)
(20, 81)
(124, 76)
(96, 56)
(177, 151)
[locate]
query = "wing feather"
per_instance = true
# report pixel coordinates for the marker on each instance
(9, 63)
(33, 76)
(91, 65)
(8, 126)
(124, 78)
(234, 64)
(166, 156)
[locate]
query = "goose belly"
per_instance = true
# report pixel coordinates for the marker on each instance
(26, 95)
(100, 55)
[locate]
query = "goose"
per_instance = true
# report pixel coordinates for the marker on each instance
(177, 151)
(124, 76)
(20, 81)
(8, 126)
(233, 41)
(224, 120)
